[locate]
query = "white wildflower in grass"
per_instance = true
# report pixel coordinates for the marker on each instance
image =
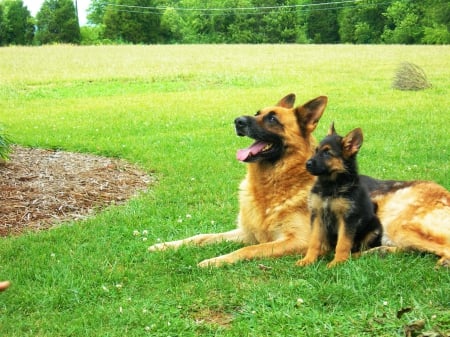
(145, 232)
(385, 303)
(188, 216)
(144, 311)
(105, 288)
(119, 285)
(180, 220)
(136, 232)
(147, 328)
(300, 301)
(120, 309)
(53, 255)
(213, 222)
(144, 239)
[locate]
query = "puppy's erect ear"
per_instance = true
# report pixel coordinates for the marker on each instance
(352, 142)
(308, 115)
(287, 101)
(331, 130)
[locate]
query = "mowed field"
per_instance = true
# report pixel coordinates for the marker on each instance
(170, 110)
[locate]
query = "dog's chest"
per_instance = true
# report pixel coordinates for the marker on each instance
(329, 208)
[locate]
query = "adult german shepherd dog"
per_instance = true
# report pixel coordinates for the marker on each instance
(274, 219)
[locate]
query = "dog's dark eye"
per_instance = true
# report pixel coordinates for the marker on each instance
(326, 153)
(271, 118)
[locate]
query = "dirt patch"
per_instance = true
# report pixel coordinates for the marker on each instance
(40, 187)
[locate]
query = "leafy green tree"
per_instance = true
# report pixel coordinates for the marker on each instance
(362, 23)
(137, 24)
(19, 28)
(171, 26)
(2, 26)
(57, 22)
(436, 22)
(322, 23)
(96, 11)
(403, 24)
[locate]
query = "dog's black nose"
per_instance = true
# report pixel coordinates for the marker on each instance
(240, 122)
(309, 165)
(241, 126)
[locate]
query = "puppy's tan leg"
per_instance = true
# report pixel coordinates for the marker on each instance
(343, 246)
(236, 235)
(277, 248)
(315, 244)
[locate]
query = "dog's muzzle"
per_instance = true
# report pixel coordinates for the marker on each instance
(241, 124)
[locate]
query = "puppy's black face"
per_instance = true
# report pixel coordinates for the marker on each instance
(266, 130)
(328, 159)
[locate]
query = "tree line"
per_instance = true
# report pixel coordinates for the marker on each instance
(229, 21)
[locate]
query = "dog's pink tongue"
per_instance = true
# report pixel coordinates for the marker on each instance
(253, 149)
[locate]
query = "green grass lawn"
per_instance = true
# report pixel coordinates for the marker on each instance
(170, 109)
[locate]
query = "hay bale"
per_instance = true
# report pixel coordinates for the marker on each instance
(409, 76)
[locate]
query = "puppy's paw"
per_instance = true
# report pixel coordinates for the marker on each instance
(304, 262)
(334, 263)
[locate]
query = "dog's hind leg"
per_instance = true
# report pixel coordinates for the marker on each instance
(281, 247)
(236, 235)
(419, 237)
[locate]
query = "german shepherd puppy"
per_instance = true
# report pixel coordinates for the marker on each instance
(342, 214)
(273, 217)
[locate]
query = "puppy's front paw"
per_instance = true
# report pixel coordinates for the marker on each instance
(334, 263)
(304, 262)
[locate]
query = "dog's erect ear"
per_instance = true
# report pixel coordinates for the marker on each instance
(331, 130)
(309, 114)
(287, 101)
(352, 142)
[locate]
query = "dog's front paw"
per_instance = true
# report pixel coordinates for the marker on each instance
(158, 247)
(214, 262)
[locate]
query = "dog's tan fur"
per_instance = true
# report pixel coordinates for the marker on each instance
(274, 219)
(417, 217)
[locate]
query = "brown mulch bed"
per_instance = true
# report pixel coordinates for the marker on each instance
(41, 187)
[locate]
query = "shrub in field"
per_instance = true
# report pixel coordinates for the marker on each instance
(410, 77)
